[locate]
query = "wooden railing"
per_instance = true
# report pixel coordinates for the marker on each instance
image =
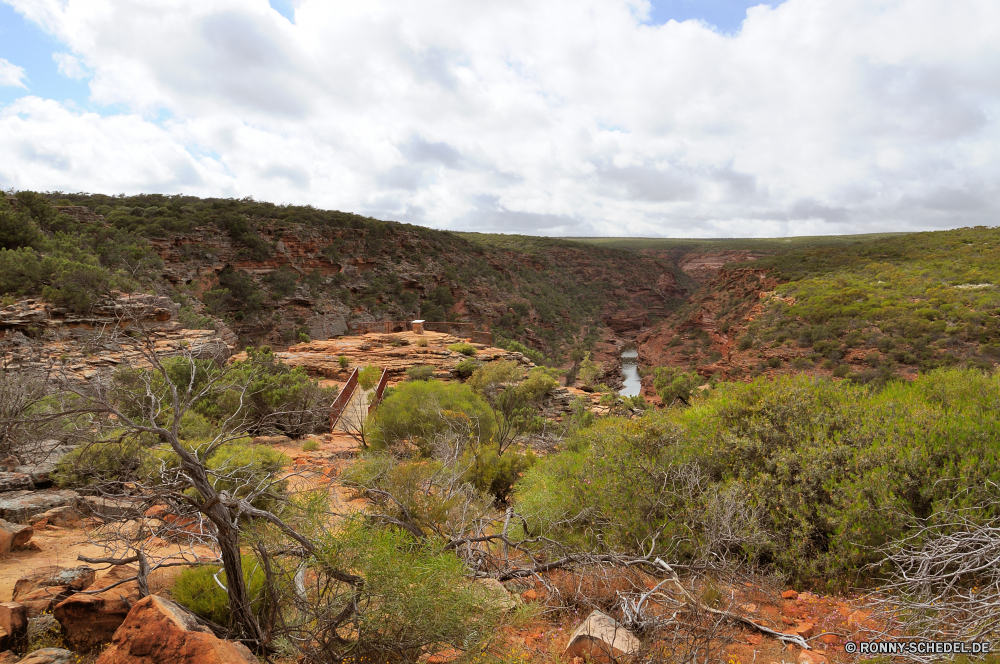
(337, 409)
(379, 390)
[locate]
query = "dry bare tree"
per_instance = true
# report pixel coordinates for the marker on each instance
(140, 410)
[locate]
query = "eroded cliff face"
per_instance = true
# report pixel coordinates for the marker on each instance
(42, 339)
(545, 298)
(703, 333)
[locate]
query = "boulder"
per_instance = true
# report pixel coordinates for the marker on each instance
(108, 508)
(14, 626)
(49, 656)
(8, 657)
(15, 481)
(157, 631)
(48, 586)
(497, 595)
(64, 517)
(601, 639)
(74, 578)
(13, 536)
(41, 600)
(19, 506)
(89, 620)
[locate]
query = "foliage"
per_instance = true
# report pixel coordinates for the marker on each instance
(922, 299)
(420, 372)
(241, 468)
(279, 398)
(413, 596)
(589, 372)
(492, 473)
(464, 348)
(530, 353)
(310, 446)
(368, 377)
(512, 397)
(420, 411)
(673, 383)
(343, 361)
(197, 590)
(466, 368)
(812, 476)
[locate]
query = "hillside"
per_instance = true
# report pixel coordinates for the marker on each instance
(280, 274)
(871, 309)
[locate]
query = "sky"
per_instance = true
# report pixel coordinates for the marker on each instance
(673, 118)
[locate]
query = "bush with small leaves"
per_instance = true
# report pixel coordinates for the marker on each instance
(310, 446)
(343, 361)
(420, 372)
(464, 348)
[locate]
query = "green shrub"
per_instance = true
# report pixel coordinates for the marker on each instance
(494, 474)
(415, 596)
(672, 383)
(825, 473)
(368, 377)
(422, 343)
(466, 368)
(310, 446)
(463, 348)
(197, 590)
(343, 361)
(105, 464)
(420, 372)
(241, 467)
(419, 411)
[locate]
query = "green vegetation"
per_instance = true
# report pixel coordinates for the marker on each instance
(71, 264)
(811, 476)
(924, 300)
(419, 372)
(419, 412)
(513, 398)
(463, 348)
(673, 384)
(368, 377)
(197, 590)
(310, 446)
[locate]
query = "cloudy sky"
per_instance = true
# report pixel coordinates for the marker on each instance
(556, 117)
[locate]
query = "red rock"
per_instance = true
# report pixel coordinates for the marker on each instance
(50, 656)
(8, 657)
(805, 630)
(789, 594)
(14, 624)
(89, 620)
(858, 617)
(13, 536)
(810, 657)
(157, 631)
(599, 638)
(830, 639)
(529, 595)
(74, 578)
(41, 600)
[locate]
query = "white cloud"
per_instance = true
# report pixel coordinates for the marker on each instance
(11, 74)
(70, 65)
(560, 116)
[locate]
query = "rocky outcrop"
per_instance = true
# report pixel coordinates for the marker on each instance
(703, 267)
(38, 336)
(13, 536)
(396, 352)
(61, 517)
(50, 656)
(599, 638)
(20, 506)
(13, 626)
(46, 587)
(157, 631)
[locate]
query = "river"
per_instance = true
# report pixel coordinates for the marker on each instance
(630, 372)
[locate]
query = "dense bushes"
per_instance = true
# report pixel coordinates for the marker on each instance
(421, 412)
(813, 475)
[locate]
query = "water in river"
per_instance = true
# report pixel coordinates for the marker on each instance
(630, 372)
